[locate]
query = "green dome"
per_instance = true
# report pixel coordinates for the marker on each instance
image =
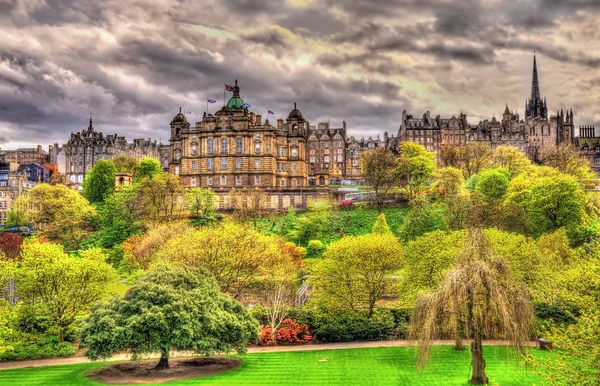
(179, 118)
(235, 102)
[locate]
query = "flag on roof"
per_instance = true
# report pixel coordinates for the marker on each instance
(212, 101)
(246, 105)
(270, 112)
(228, 88)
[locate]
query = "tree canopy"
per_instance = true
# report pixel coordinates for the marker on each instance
(169, 309)
(99, 181)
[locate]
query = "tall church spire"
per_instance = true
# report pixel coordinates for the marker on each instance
(535, 84)
(536, 107)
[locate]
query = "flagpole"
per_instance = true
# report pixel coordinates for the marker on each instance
(206, 105)
(223, 94)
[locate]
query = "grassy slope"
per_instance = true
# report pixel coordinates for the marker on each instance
(373, 366)
(347, 222)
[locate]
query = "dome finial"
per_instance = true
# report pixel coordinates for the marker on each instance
(179, 109)
(294, 105)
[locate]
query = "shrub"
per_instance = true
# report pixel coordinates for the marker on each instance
(289, 332)
(314, 249)
(43, 348)
(353, 326)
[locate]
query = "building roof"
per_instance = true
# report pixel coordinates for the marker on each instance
(179, 118)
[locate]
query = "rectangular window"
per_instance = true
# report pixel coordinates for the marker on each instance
(193, 182)
(257, 148)
(238, 180)
(294, 183)
(326, 158)
(256, 180)
(223, 180)
(257, 163)
(293, 167)
(209, 181)
(312, 151)
(224, 145)
(312, 160)
(193, 165)
(238, 163)
(238, 145)
(223, 163)
(257, 137)
(209, 164)
(211, 146)
(176, 169)
(282, 183)
(194, 149)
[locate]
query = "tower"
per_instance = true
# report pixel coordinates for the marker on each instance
(536, 107)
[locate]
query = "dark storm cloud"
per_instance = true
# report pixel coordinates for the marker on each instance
(133, 63)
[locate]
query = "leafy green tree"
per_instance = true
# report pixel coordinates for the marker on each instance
(59, 212)
(356, 271)
(201, 201)
(234, 253)
(427, 260)
(124, 164)
(160, 197)
(148, 168)
(479, 297)
(554, 203)
(473, 158)
(492, 183)
(450, 180)
(99, 181)
(313, 225)
(62, 286)
(378, 168)
(566, 159)
(423, 217)
(118, 218)
(381, 226)
(169, 309)
(415, 165)
(511, 159)
(5, 329)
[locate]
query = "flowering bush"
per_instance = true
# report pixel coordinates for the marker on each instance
(289, 332)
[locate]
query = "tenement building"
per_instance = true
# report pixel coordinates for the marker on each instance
(13, 183)
(588, 145)
(85, 148)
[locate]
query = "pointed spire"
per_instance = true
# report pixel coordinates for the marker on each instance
(179, 109)
(91, 126)
(506, 110)
(535, 84)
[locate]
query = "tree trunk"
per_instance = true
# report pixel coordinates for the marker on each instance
(458, 344)
(164, 360)
(61, 334)
(477, 362)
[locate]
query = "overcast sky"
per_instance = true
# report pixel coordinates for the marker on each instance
(132, 63)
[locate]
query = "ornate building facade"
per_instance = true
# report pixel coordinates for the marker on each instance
(530, 135)
(85, 148)
(235, 149)
(588, 145)
(25, 155)
(13, 183)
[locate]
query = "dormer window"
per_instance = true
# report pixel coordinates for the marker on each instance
(585, 147)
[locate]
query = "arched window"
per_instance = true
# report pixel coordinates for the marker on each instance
(177, 155)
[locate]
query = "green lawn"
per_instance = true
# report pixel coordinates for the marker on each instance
(370, 366)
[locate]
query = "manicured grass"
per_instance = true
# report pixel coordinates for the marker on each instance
(370, 366)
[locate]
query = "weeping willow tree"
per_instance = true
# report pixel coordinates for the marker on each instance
(478, 299)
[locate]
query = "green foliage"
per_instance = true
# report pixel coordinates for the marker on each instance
(554, 203)
(351, 326)
(99, 181)
(314, 248)
(355, 272)
(381, 227)
(423, 217)
(450, 180)
(312, 226)
(47, 348)
(148, 168)
(180, 309)
(201, 202)
(415, 165)
(378, 167)
(63, 286)
(427, 259)
(471, 182)
(125, 164)
(118, 220)
(492, 183)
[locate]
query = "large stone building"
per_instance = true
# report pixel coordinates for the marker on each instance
(529, 135)
(25, 155)
(235, 149)
(84, 148)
